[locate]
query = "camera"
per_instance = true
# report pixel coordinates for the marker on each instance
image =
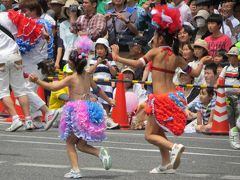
(113, 15)
(73, 8)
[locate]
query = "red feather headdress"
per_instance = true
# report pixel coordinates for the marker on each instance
(166, 18)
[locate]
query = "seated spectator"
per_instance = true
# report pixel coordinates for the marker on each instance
(210, 74)
(121, 24)
(221, 60)
(140, 116)
(216, 40)
(190, 93)
(205, 110)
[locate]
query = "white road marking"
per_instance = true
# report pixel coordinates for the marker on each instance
(113, 142)
(57, 166)
(124, 148)
(235, 163)
(231, 177)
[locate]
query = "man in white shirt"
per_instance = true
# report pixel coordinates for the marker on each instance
(11, 66)
(11, 73)
(184, 9)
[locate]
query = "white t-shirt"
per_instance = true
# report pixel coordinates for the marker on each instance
(7, 45)
(230, 80)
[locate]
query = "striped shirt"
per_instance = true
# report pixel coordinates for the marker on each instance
(102, 72)
(206, 110)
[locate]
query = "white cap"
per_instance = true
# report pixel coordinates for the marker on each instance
(104, 42)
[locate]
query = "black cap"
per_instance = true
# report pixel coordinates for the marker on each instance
(138, 40)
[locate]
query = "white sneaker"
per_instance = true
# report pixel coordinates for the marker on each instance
(29, 125)
(50, 117)
(110, 124)
(234, 139)
(176, 153)
(167, 169)
(14, 126)
(73, 174)
(38, 125)
(105, 158)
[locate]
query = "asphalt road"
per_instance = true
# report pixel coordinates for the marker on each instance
(40, 155)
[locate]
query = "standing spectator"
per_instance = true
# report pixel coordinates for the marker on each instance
(201, 22)
(90, 23)
(216, 40)
(33, 58)
(143, 21)
(230, 74)
(70, 9)
(102, 66)
(137, 50)
(203, 5)
(236, 10)
(200, 50)
(229, 19)
(56, 6)
(184, 9)
(193, 7)
(7, 4)
(121, 24)
(185, 35)
(11, 66)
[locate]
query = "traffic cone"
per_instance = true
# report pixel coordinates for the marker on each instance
(220, 124)
(119, 112)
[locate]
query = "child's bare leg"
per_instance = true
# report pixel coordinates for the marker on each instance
(84, 147)
(71, 151)
(155, 135)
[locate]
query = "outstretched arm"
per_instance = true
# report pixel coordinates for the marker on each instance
(129, 62)
(50, 86)
(196, 71)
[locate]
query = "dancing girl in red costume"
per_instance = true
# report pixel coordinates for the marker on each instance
(166, 106)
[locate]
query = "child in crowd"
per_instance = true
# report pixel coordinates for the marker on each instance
(230, 74)
(103, 67)
(60, 97)
(200, 50)
(220, 60)
(216, 40)
(83, 118)
(205, 110)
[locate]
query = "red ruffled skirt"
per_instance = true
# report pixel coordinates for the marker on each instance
(169, 111)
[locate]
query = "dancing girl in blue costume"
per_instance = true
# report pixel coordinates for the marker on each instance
(83, 118)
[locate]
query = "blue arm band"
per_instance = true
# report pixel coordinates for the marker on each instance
(96, 90)
(187, 69)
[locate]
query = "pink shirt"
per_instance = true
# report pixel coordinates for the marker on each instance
(217, 43)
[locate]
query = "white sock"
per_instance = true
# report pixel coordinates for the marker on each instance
(15, 118)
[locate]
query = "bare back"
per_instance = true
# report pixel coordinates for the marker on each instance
(79, 85)
(162, 81)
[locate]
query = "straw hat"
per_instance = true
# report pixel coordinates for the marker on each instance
(201, 43)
